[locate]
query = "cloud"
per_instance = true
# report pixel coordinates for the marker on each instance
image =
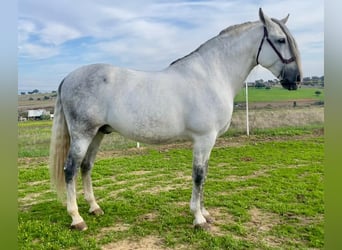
(34, 51)
(42, 41)
(57, 33)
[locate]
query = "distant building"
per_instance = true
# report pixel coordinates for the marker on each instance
(36, 114)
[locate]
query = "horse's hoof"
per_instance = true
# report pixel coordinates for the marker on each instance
(82, 226)
(97, 212)
(209, 219)
(202, 226)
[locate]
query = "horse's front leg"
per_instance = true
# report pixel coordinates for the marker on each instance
(201, 153)
(196, 203)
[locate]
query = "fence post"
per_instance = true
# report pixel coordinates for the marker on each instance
(247, 116)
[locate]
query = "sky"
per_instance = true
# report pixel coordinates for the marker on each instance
(56, 37)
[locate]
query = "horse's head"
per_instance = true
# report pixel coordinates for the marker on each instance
(278, 52)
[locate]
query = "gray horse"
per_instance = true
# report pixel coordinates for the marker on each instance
(192, 99)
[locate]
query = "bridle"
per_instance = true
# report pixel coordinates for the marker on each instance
(284, 61)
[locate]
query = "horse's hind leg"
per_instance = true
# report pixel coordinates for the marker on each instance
(86, 168)
(78, 149)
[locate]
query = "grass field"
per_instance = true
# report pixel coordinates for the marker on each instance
(277, 94)
(264, 192)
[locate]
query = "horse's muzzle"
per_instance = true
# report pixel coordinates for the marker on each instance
(291, 80)
(290, 85)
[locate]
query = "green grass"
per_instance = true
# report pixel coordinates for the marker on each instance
(279, 94)
(34, 138)
(264, 192)
(275, 132)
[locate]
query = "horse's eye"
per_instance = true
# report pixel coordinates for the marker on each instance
(281, 40)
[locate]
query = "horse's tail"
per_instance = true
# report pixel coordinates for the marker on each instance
(59, 147)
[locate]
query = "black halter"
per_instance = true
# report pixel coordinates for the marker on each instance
(285, 61)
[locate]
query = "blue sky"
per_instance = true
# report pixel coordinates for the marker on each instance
(56, 37)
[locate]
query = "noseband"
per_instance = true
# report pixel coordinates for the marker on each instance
(285, 61)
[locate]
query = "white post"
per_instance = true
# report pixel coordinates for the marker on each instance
(247, 116)
(138, 144)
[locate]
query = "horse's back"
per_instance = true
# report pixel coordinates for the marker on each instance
(137, 104)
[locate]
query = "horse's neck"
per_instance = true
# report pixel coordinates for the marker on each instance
(226, 59)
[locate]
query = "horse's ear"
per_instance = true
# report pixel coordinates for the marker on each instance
(284, 20)
(263, 18)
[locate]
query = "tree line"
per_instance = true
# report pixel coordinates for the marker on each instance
(307, 81)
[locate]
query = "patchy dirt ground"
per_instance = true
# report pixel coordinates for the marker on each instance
(147, 243)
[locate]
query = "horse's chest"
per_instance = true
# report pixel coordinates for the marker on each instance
(223, 116)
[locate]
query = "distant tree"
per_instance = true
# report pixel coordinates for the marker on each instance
(260, 84)
(35, 91)
(44, 117)
(306, 80)
(317, 93)
(46, 98)
(31, 99)
(23, 93)
(322, 81)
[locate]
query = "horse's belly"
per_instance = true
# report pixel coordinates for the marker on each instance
(150, 129)
(153, 136)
